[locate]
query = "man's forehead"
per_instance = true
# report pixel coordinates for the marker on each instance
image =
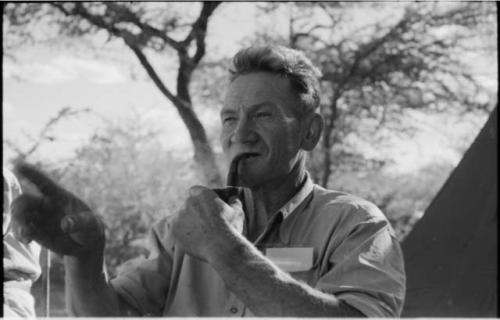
(258, 88)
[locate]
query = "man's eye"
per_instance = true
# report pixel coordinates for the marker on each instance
(263, 115)
(228, 120)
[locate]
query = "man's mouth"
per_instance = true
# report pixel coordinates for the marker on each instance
(232, 178)
(248, 156)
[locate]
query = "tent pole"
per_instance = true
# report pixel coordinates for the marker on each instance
(47, 285)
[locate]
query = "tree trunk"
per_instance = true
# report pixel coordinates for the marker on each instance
(327, 161)
(328, 142)
(203, 154)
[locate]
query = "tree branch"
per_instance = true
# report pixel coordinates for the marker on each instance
(127, 15)
(187, 64)
(199, 30)
(154, 76)
(370, 48)
(63, 113)
(130, 40)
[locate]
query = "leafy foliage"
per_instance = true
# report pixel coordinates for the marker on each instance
(144, 28)
(409, 57)
(126, 175)
(399, 56)
(403, 197)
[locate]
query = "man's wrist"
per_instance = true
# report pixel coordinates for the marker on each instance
(227, 249)
(88, 262)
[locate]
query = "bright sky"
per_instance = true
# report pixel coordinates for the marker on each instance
(52, 79)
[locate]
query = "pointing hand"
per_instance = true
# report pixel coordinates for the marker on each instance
(57, 219)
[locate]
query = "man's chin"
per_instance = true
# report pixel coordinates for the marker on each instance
(250, 181)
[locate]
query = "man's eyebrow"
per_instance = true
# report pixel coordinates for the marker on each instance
(263, 104)
(227, 111)
(252, 107)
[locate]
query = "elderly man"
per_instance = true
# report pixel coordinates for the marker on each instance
(286, 247)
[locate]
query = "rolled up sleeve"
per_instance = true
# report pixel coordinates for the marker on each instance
(367, 270)
(143, 283)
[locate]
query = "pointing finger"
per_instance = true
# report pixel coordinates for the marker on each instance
(39, 179)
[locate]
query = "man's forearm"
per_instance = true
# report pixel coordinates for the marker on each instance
(268, 291)
(87, 290)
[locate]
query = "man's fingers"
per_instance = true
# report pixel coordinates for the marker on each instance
(233, 201)
(25, 204)
(197, 190)
(234, 216)
(24, 233)
(27, 216)
(227, 193)
(39, 179)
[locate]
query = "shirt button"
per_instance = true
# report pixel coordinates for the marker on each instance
(234, 310)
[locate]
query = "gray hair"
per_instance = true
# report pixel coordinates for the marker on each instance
(289, 63)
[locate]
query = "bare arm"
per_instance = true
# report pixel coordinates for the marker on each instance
(204, 231)
(64, 224)
(267, 290)
(88, 292)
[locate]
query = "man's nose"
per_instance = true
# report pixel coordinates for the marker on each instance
(244, 132)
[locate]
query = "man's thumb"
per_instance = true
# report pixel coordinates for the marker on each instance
(235, 203)
(80, 226)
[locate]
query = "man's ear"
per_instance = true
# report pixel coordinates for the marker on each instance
(312, 133)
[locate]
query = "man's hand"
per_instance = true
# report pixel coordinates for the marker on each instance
(57, 220)
(207, 223)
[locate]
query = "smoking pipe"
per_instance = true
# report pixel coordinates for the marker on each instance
(232, 190)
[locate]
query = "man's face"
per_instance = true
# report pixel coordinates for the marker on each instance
(258, 119)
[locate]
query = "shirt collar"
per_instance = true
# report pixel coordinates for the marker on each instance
(298, 198)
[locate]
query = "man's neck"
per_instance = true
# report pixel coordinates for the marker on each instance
(273, 195)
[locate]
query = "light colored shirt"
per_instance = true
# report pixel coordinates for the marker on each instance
(20, 261)
(20, 269)
(356, 257)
